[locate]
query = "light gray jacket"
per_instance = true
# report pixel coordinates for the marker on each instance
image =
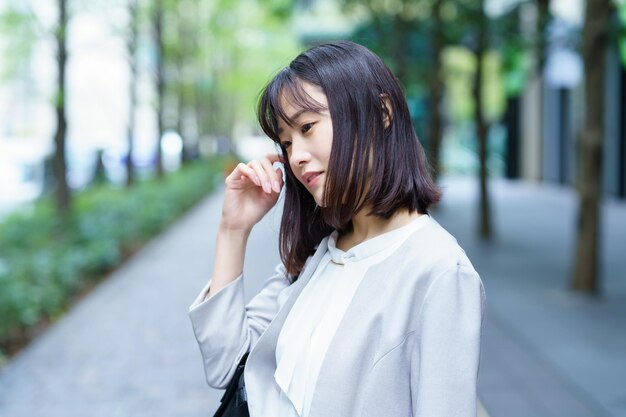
(408, 344)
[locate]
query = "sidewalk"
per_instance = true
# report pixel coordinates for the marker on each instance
(546, 350)
(128, 349)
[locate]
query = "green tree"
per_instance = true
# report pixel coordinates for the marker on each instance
(132, 39)
(159, 10)
(63, 195)
(410, 36)
(435, 86)
(20, 30)
(186, 65)
(241, 45)
(484, 36)
(516, 72)
(476, 26)
(18, 20)
(594, 45)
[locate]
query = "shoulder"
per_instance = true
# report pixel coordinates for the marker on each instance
(446, 265)
(430, 255)
(433, 246)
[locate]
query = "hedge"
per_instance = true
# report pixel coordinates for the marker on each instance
(45, 262)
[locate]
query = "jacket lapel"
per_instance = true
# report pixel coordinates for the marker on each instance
(261, 363)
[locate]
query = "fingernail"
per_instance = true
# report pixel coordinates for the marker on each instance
(276, 186)
(267, 187)
(257, 181)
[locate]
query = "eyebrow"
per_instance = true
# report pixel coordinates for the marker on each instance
(295, 117)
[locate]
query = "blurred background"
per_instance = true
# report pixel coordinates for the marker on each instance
(117, 116)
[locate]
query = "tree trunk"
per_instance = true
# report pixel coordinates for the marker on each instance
(543, 19)
(436, 91)
(485, 230)
(512, 120)
(63, 196)
(586, 262)
(182, 102)
(192, 148)
(160, 82)
(185, 55)
(133, 12)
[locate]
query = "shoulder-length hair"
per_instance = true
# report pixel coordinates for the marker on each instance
(376, 161)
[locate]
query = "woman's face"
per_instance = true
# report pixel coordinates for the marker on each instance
(308, 142)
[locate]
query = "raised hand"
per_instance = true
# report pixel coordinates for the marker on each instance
(252, 189)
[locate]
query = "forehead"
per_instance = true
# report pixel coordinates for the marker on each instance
(298, 98)
(304, 96)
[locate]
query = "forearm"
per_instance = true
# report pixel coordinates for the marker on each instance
(226, 327)
(229, 257)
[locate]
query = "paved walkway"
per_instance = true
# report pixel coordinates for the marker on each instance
(128, 349)
(546, 350)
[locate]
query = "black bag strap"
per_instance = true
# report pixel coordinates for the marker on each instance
(235, 394)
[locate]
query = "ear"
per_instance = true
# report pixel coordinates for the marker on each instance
(387, 109)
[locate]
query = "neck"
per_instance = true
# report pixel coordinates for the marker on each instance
(365, 227)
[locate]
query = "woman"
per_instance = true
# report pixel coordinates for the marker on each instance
(375, 310)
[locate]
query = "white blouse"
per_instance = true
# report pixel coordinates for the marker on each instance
(316, 314)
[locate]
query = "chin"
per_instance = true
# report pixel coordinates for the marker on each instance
(318, 201)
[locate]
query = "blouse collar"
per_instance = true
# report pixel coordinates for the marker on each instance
(372, 246)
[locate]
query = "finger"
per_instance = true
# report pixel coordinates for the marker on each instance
(275, 157)
(279, 173)
(263, 175)
(274, 184)
(243, 171)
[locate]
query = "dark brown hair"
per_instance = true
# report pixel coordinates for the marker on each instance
(381, 168)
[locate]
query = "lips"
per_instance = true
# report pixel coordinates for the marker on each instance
(311, 177)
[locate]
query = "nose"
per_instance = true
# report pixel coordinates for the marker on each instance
(299, 154)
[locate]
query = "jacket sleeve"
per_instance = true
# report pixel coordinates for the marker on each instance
(226, 328)
(445, 359)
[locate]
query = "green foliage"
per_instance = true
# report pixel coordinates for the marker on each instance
(281, 9)
(18, 31)
(242, 45)
(44, 262)
(459, 66)
(458, 69)
(516, 67)
(400, 31)
(216, 57)
(399, 49)
(515, 49)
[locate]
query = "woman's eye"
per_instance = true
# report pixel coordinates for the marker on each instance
(285, 145)
(306, 127)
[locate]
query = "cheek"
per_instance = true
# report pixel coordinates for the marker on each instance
(328, 145)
